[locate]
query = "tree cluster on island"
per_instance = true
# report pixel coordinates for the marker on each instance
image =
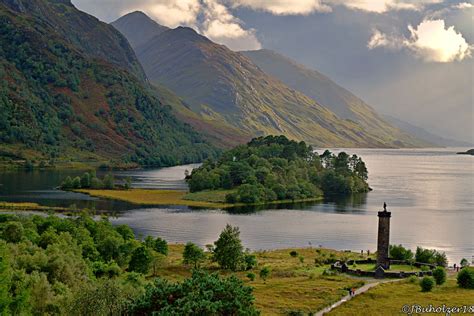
(275, 168)
(89, 180)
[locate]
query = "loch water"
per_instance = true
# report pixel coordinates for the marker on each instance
(430, 193)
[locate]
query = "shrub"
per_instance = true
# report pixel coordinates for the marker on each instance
(464, 262)
(301, 259)
(412, 279)
(293, 253)
(465, 278)
(250, 261)
(251, 276)
(439, 274)
(427, 284)
(202, 294)
(264, 273)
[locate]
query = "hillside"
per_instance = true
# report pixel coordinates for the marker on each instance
(227, 88)
(63, 97)
(319, 87)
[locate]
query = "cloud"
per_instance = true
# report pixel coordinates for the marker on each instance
(283, 7)
(171, 13)
(222, 27)
(382, 6)
(464, 5)
(430, 41)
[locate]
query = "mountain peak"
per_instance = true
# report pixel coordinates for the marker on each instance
(138, 27)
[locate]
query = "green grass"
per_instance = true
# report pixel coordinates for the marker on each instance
(217, 196)
(292, 285)
(393, 267)
(208, 199)
(390, 297)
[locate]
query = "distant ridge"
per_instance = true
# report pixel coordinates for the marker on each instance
(228, 88)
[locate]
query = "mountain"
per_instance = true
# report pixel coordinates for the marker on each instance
(328, 93)
(227, 88)
(138, 28)
(72, 88)
(425, 135)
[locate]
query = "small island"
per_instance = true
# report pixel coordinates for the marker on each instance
(467, 152)
(274, 168)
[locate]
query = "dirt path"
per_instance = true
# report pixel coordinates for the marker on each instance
(348, 297)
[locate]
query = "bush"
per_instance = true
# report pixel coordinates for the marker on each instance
(250, 261)
(251, 276)
(202, 294)
(431, 256)
(427, 284)
(264, 273)
(412, 279)
(293, 253)
(439, 274)
(465, 278)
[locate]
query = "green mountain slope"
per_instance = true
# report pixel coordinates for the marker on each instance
(59, 98)
(227, 87)
(329, 94)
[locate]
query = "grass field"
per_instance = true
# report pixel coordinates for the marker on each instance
(207, 199)
(295, 284)
(393, 267)
(388, 299)
(27, 206)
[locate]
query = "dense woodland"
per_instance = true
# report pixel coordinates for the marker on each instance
(79, 266)
(275, 168)
(59, 102)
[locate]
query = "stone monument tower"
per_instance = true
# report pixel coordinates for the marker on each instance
(383, 240)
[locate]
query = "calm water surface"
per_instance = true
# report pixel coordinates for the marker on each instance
(430, 193)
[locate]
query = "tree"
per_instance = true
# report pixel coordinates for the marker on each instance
(465, 278)
(228, 251)
(159, 245)
(264, 273)
(86, 180)
(202, 294)
(398, 252)
(66, 184)
(464, 262)
(126, 232)
(109, 182)
(439, 275)
(427, 284)
(13, 232)
(193, 254)
(141, 260)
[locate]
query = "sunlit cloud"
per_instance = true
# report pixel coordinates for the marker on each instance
(224, 28)
(431, 41)
(381, 6)
(283, 7)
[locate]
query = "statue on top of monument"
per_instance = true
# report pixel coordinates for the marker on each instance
(384, 206)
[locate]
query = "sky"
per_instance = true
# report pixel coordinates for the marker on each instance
(406, 58)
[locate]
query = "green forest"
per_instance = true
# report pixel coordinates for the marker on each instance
(275, 168)
(59, 102)
(81, 266)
